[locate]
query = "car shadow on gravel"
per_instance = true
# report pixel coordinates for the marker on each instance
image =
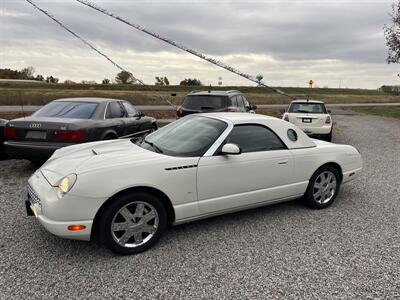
(177, 236)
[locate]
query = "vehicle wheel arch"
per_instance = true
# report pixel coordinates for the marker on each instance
(331, 164)
(151, 190)
(109, 133)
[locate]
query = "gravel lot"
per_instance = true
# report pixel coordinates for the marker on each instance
(350, 250)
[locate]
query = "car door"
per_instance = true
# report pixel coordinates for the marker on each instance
(116, 118)
(134, 122)
(261, 173)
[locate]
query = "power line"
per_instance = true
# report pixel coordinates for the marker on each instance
(182, 47)
(83, 40)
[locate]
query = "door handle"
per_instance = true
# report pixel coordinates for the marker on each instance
(283, 162)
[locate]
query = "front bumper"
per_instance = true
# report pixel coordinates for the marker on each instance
(55, 214)
(26, 149)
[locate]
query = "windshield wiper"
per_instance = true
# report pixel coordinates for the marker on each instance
(152, 145)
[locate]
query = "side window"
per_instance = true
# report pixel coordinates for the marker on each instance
(240, 101)
(129, 109)
(254, 138)
(115, 110)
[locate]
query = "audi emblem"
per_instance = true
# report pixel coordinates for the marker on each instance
(35, 125)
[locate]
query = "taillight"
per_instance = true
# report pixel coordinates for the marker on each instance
(179, 112)
(69, 135)
(10, 132)
(231, 109)
(328, 120)
(286, 117)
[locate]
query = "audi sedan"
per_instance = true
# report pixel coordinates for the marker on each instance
(69, 121)
(126, 193)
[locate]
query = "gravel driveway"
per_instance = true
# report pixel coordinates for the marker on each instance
(350, 250)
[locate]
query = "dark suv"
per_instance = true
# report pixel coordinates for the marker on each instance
(214, 101)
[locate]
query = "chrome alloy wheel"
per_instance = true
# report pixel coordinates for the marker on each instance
(134, 224)
(324, 187)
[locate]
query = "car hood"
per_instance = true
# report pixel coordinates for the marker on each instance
(92, 156)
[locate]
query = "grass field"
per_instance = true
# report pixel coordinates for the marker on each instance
(39, 94)
(391, 112)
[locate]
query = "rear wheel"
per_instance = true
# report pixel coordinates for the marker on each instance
(133, 223)
(323, 187)
(328, 137)
(37, 162)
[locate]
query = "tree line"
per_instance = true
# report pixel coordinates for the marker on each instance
(122, 77)
(26, 74)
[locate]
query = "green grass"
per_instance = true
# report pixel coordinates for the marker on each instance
(39, 94)
(391, 112)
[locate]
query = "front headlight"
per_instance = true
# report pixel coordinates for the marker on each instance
(66, 184)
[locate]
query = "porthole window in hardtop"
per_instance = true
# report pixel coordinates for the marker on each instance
(292, 135)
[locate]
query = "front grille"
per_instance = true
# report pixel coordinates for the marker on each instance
(33, 197)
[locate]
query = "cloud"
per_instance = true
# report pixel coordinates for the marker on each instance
(286, 41)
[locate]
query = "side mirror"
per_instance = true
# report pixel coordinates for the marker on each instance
(282, 110)
(329, 111)
(253, 107)
(139, 115)
(230, 149)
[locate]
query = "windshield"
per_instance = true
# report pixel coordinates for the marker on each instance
(61, 109)
(309, 108)
(198, 102)
(189, 137)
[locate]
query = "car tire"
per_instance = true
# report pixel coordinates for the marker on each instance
(328, 137)
(37, 162)
(3, 154)
(133, 223)
(323, 188)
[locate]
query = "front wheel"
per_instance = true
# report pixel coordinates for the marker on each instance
(323, 188)
(133, 223)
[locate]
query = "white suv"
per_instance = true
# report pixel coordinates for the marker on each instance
(311, 116)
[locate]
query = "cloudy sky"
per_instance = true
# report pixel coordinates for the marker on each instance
(334, 43)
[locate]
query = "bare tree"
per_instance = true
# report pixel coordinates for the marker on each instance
(125, 77)
(28, 72)
(392, 35)
(259, 79)
(161, 81)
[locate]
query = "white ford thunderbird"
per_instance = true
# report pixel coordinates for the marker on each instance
(125, 192)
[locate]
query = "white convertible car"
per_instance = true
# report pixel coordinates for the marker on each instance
(126, 192)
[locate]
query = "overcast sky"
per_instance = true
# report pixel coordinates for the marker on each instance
(289, 42)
